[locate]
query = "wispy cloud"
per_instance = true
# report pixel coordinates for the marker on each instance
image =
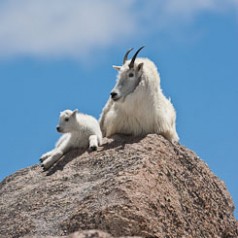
(166, 14)
(76, 28)
(58, 27)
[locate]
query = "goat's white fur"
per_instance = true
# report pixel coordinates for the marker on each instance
(145, 110)
(80, 131)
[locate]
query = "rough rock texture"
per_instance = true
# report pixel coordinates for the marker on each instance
(83, 234)
(143, 187)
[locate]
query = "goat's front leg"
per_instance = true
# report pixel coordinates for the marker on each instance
(93, 142)
(46, 155)
(55, 156)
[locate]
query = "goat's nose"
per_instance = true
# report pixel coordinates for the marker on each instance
(58, 128)
(113, 94)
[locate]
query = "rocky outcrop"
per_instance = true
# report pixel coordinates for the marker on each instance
(143, 187)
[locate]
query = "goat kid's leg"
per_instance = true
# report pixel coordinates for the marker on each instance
(55, 156)
(45, 156)
(93, 142)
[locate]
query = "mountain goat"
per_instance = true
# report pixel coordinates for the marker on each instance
(137, 105)
(80, 131)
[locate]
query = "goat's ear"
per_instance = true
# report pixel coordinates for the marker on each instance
(140, 66)
(116, 67)
(74, 113)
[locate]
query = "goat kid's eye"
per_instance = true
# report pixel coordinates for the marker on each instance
(66, 119)
(131, 75)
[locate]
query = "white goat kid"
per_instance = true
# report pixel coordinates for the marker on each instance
(137, 105)
(80, 131)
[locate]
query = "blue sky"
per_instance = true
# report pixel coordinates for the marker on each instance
(56, 55)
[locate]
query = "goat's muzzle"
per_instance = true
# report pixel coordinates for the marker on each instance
(114, 96)
(58, 129)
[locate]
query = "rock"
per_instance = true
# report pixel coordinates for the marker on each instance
(83, 234)
(142, 186)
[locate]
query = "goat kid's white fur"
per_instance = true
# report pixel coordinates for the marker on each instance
(144, 110)
(79, 131)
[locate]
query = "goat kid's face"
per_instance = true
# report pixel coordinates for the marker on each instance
(128, 80)
(67, 121)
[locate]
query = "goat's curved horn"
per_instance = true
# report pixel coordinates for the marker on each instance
(131, 65)
(126, 55)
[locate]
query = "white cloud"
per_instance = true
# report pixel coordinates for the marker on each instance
(172, 12)
(76, 28)
(189, 8)
(58, 27)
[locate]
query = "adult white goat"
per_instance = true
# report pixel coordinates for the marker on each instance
(80, 131)
(137, 105)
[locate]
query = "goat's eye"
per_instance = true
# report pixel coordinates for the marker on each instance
(66, 119)
(131, 75)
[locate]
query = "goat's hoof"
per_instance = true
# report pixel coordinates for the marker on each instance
(93, 148)
(43, 167)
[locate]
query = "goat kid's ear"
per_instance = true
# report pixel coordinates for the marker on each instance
(140, 66)
(74, 112)
(116, 67)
